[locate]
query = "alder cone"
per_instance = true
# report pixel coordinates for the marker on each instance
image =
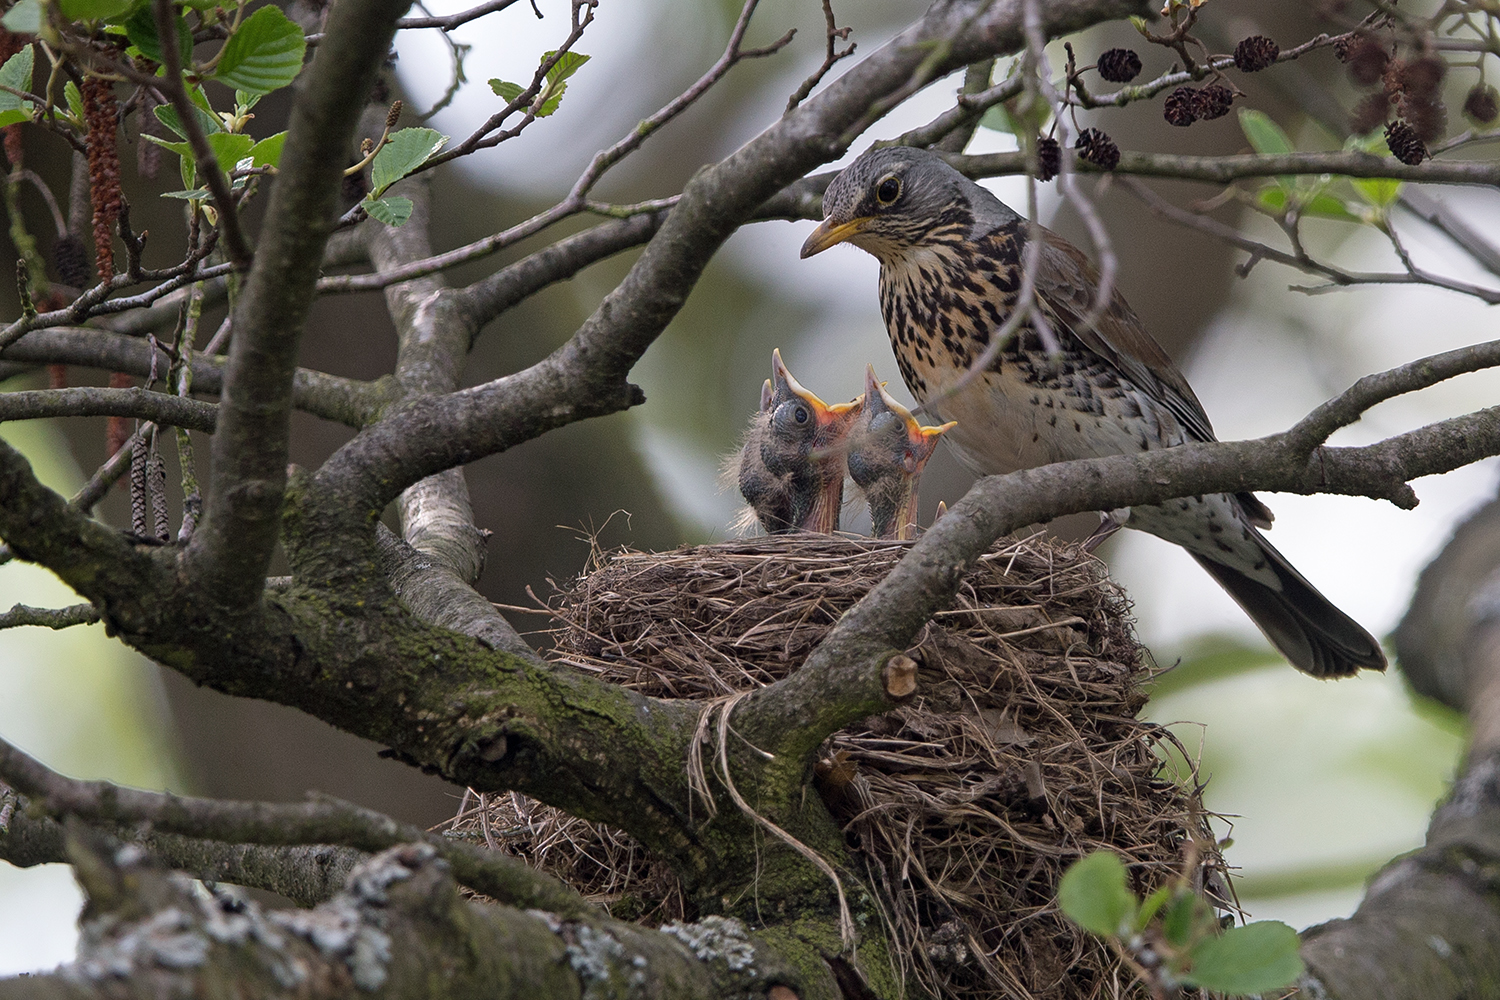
(1482, 104)
(1255, 53)
(1180, 107)
(1049, 158)
(1119, 65)
(1405, 144)
(1213, 101)
(1099, 149)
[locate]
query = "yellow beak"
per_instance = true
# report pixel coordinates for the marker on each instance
(830, 233)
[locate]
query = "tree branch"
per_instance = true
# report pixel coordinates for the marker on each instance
(326, 821)
(585, 377)
(842, 680)
(442, 552)
(489, 297)
(1225, 169)
(232, 547)
(143, 404)
(306, 875)
(397, 928)
(78, 614)
(332, 397)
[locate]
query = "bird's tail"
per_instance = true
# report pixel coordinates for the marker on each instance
(1315, 636)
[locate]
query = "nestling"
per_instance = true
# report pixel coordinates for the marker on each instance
(791, 468)
(888, 449)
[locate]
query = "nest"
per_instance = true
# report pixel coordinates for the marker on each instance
(1019, 754)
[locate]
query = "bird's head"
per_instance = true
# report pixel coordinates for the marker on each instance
(802, 426)
(893, 199)
(889, 441)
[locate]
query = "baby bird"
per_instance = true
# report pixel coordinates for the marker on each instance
(791, 468)
(887, 451)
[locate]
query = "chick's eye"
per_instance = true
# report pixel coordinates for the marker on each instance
(801, 415)
(889, 190)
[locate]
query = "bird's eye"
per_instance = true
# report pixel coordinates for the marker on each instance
(889, 190)
(801, 415)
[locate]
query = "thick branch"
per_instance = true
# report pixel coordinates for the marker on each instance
(232, 547)
(332, 397)
(512, 285)
(306, 875)
(398, 929)
(842, 680)
(174, 411)
(499, 876)
(585, 377)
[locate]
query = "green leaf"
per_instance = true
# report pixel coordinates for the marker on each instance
(404, 152)
(267, 152)
(392, 211)
(1381, 192)
(1094, 895)
(1273, 198)
(264, 54)
(207, 123)
(25, 18)
(1151, 905)
(195, 92)
(1326, 206)
(1251, 959)
(94, 10)
(229, 148)
(557, 80)
(140, 28)
(1183, 917)
(567, 64)
(193, 195)
(16, 73)
(75, 102)
(998, 119)
(1264, 134)
(509, 91)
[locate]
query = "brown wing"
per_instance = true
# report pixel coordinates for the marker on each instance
(1066, 286)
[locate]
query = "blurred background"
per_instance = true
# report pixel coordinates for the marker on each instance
(1320, 783)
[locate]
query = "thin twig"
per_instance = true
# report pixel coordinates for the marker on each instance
(1260, 251)
(54, 618)
(203, 155)
(450, 21)
(1109, 265)
(831, 56)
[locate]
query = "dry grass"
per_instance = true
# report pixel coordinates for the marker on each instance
(1019, 754)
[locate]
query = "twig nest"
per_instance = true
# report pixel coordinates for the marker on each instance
(1018, 753)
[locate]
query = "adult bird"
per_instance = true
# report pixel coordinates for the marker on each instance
(950, 273)
(791, 468)
(888, 449)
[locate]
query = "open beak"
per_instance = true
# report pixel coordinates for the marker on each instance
(924, 441)
(830, 233)
(784, 386)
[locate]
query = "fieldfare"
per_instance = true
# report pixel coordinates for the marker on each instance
(950, 272)
(791, 468)
(887, 450)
